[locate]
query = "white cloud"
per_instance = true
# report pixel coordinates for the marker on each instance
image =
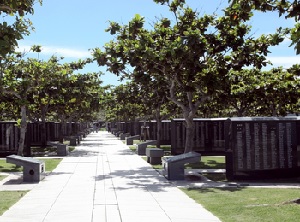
(58, 51)
(284, 61)
(66, 52)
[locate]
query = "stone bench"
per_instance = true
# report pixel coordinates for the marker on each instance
(118, 133)
(173, 167)
(81, 135)
(33, 169)
(141, 148)
(62, 149)
(129, 140)
(154, 155)
(124, 135)
(113, 130)
(74, 140)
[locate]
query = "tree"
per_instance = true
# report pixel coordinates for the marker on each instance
(36, 87)
(154, 99)
(16, 82)
(295, 71)
(11, 32)
(76, 96)
(265, 93)
(243, 98)
(285, 8)
(193, 54)
(124, 103)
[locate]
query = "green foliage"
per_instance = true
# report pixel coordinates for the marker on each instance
(11, 32)
(187, 61)
(48, 88)
(290, 9)
(266, 93)
(295, 37)
(123, 103)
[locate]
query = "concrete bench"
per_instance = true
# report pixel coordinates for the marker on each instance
(129, 140)
(62, 149)
(118, 133)
(174, 166)
(74, 140)
(154, 155)
(141, 148)
(33, 169)
(124, 135)
(113, 130)
(81, 135)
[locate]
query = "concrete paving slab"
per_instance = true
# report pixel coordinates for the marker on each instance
(102, 180)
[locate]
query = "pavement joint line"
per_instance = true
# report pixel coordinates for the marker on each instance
(159, 204)
(118, 173)
(95, 185)
(112, 182)
(70, 175)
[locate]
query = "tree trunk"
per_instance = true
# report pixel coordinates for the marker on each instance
(189, 111)
(240, 112)
(158, 126)
(43, 127)
(23, 130)
(62, 129)
(189, 134)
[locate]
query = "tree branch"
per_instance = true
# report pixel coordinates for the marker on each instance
(173, 97)
(11, 93)
(5, 8)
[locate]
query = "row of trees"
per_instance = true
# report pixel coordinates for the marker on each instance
(39, 91)
(251, 93)
(197, 65)
(202, 64)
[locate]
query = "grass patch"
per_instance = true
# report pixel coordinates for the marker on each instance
(2, 177)
(42, 151)
(249, 204)
(276, 180)
(50, 164)
(154, 166)
(37, 151)
(208, 162)
(8, 167)
(132, 148)
(217, 177)
(9, 198)
(166, 148)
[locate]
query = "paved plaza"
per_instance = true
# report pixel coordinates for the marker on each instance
(103, 181)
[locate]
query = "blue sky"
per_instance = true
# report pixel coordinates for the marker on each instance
(69, 28)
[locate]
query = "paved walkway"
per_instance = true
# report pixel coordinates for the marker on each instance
(103, 181)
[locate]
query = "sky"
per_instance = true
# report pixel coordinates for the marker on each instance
(71, 28)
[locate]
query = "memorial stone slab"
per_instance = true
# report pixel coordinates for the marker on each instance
(261, 147)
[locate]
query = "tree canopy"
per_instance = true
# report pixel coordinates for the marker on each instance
(16, 25)
(191, 56)
(288, 9)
